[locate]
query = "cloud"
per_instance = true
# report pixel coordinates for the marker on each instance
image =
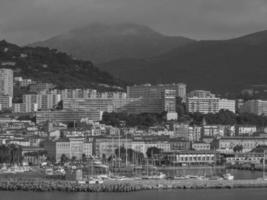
(24, 21)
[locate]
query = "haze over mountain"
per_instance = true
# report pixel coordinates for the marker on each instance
(223, 66)
(101, 42)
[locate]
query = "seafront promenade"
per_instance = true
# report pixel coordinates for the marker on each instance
(42, 185)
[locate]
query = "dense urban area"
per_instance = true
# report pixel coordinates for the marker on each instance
(141, 132)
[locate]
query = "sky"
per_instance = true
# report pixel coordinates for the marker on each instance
(27, 21)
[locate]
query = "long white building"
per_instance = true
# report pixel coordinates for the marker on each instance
(209, 105)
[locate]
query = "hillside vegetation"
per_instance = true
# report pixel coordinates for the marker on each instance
(50, 65)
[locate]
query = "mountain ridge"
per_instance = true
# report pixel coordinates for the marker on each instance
(104, 42)
(219, 65)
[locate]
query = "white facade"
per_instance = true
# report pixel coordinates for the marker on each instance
(246, 130)
(248, 143)
(42, 101)
(226, 104)
(6, 82)
(209, 104)
(258, 107)
(24, 107)
(201, 146)
(201, 94)
(203, 105)
(5, 101)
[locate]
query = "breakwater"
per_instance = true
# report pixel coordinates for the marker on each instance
(43, 185)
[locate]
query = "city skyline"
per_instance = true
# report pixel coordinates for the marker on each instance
(117, 102)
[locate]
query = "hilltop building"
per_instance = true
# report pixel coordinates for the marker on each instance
(257, 107)
(205, 102)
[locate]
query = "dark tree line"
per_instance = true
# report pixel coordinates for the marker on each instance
(36, 153)
(143, 120)
(152, 151)
(226, 117)
(10, 154)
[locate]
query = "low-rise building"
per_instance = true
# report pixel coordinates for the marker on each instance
(244, 158)
(181, 130)
(227, 144)
(5, 101)
(213, 130)
(179, 144)
(20, 142)
(194, 133)
(106, 146)
(70, 147)
(245, 130)
(192, 158)
(200, 146)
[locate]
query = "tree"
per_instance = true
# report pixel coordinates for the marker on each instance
(104, 157)
(73, 159)
(84, 159)
(180, 106)
(153, 151)
(64, 158)
(238, 148)
(10, 154)
(143, 120)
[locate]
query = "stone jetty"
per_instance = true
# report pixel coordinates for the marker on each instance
(43, 185)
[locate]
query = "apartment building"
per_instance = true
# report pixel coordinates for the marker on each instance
(209, 105)
(5, 102)
(202, 105)
(67, 115)
(257, 107)
(155, 91)
(6, 82)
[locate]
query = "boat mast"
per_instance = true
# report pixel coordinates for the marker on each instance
(119, 150)
(263, 165)
(126, 162)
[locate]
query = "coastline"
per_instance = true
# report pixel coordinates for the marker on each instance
(42, 185)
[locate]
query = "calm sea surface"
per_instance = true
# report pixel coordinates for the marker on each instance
(232, 194)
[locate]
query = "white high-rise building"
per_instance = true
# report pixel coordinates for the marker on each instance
(6, 82)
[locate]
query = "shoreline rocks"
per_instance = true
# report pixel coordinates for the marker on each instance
(44, 185)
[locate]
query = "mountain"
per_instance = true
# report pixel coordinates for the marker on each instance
(222, 66)
(101, 43)
(43, 64)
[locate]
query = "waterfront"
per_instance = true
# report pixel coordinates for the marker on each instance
(211, 194)
(209, 171)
